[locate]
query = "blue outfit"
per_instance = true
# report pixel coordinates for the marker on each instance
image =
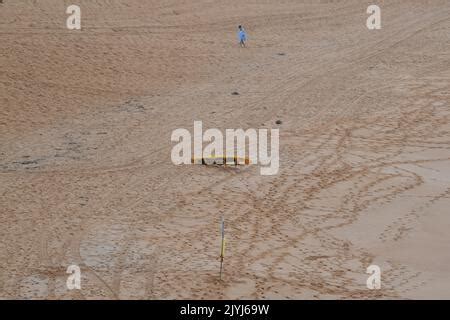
(242, 36)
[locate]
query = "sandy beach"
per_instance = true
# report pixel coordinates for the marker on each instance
(86, 176)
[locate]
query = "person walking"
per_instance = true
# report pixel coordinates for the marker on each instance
(242, 36)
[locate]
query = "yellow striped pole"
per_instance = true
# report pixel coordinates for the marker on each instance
(222, 249)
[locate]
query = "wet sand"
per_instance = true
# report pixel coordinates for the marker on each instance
(86, 176)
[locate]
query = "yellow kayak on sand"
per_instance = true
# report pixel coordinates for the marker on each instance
(221, 160)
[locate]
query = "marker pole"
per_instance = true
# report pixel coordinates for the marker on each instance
(222, 249)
